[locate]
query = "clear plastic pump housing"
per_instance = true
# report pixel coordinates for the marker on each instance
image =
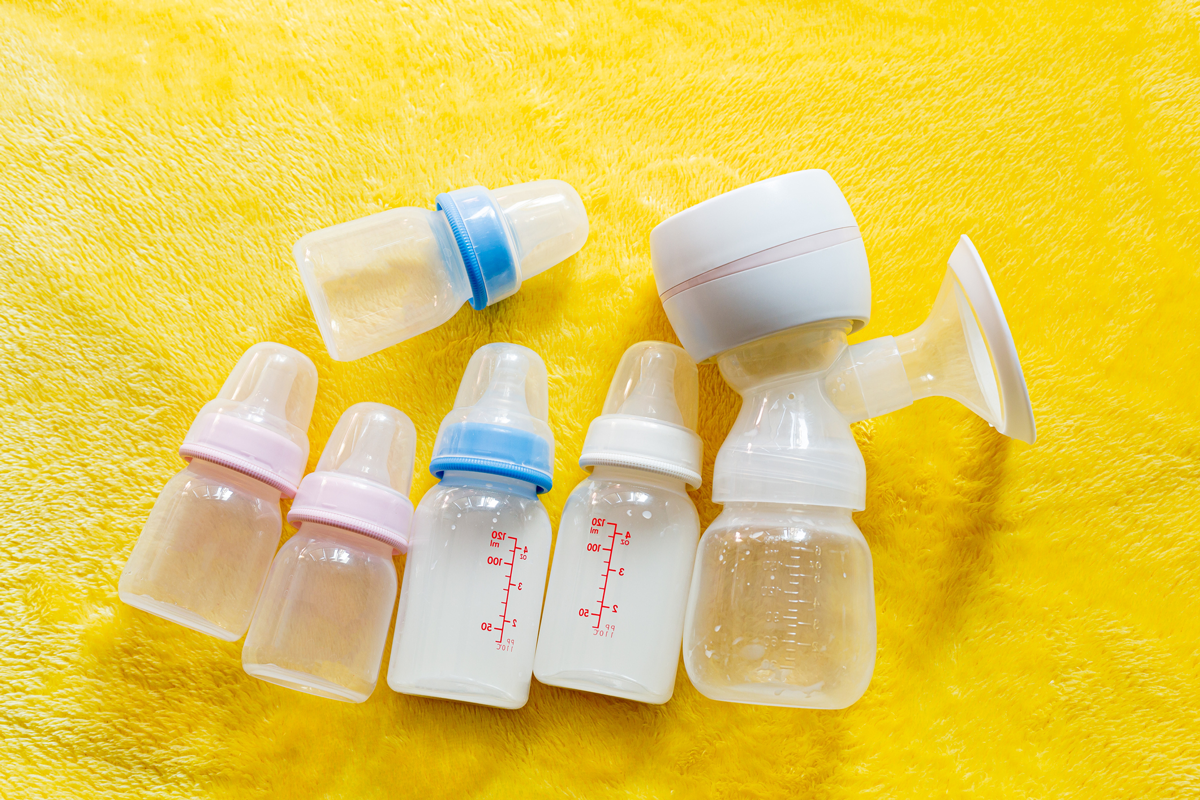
(375, 442)
(547, 221)
(258, 423)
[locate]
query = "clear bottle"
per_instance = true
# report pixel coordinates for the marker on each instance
(322, 622)
(382, 279)
(782, 607)
(205, 550)
(627, 541)
(471, 600)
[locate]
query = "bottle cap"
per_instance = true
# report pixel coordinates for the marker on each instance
(761, 259)
(649, 417)
(509, 235)
(498, 425)
(258, 423)
(364, 476)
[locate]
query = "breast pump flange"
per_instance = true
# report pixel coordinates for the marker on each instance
(768, 281)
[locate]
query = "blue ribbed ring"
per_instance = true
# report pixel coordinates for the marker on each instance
(487, 253)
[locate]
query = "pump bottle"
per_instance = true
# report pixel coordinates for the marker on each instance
(769, 280)
(471, 600)
(205, 550)
(623, 559)
(379, 280)
(322, 622)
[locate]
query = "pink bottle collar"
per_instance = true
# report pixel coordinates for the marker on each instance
(247, 448)
(354, 504)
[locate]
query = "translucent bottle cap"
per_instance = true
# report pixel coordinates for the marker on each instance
(363, 478)
(548, 221)
(499, 422)
(649, 418)
(258, 422)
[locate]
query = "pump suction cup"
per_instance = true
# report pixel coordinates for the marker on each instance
(1016, 412)
(963, 351)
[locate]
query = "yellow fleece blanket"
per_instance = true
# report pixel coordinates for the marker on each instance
(1038, 624)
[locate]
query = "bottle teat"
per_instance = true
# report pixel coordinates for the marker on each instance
(498, 424)
(270, 395)
(653, 395)
(649, 417)
(258, 422)
(364, 475)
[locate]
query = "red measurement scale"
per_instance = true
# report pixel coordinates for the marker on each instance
(615, 539)
(498, 537)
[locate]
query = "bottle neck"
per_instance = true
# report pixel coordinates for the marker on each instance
(345, 538)
(239, 480)
(786, 514)
(605, 472)
(485, 480)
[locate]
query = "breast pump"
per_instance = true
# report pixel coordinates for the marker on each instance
(768, 281)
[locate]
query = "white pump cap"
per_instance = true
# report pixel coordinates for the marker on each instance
(649, 418)
(546, 219)
(258, 423)
(761, 259)
(362, 481)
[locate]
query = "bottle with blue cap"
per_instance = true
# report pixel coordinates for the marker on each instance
(471, 599)
(623, 562)
(382, 279)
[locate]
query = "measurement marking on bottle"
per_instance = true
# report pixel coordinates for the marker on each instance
(508, 590)
(615, 538)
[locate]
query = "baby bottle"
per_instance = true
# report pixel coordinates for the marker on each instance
(769, 280)
(385, 278)
(618, 586)
(206, 548)
(469, 609)
(323, 619)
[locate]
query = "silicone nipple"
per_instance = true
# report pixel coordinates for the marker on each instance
(506, 387)
(653, 395)
(271, 392)
(370, 457)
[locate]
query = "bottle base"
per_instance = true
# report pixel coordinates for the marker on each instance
(464, 690)
(181, 616)
(778, 694)
(606, 683)
(303, 682)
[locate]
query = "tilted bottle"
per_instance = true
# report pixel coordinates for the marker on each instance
(379, 280)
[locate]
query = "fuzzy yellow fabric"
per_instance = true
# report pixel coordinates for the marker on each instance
(1038, 625)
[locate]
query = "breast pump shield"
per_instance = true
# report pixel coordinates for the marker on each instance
(471, 600)
(377, 281)
(623, 559)
(781, 606)
(322, 622)
(204, 553)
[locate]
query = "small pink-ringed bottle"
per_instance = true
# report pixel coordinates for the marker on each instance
(322, 623)
(205, 550)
